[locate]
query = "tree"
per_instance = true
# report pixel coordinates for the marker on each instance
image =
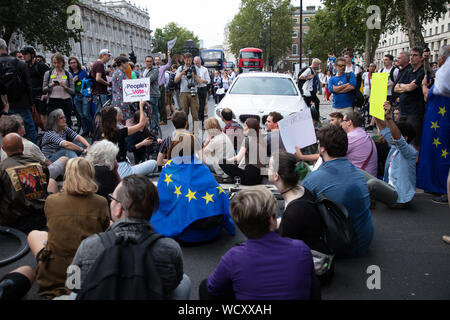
(170, 32)
(251, 27)
(38, 21)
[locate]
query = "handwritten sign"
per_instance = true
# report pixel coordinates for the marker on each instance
(136, 90)
(297, 130)
(378, 94)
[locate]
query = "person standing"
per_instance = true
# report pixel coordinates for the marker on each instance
(59, 85)
(389, 68)
(98, 75)
(80, 101)
(151, 71)
(202, 87)
(341, 88)
(162, 90)
(19, 91)
(118, 76)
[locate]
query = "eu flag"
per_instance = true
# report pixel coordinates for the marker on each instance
(188, 192)
(434, 158)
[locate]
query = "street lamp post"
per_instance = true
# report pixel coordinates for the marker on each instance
(301, 33)
(270, 41)
(309, 54)
(81, 47)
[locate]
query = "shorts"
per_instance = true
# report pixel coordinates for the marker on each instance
(169, 96)
(15, 286)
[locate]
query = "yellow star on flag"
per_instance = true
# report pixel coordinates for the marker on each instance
(208, 198)
(168, 179)
(444, 153)
(442, 111)
(191, 195)
(220, 190)
(436, 142)
(435, 125)
(177, 191)
(168, 163)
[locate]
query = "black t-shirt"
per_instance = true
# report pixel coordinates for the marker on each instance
(301, 221)
(37, 72)
(106, 180)
(412, 103)
(120, 140)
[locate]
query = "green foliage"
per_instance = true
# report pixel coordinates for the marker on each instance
(170, 32)
(39, 21)
(251, 27)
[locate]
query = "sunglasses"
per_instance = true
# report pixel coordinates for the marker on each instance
(111, 197)
(341, 65)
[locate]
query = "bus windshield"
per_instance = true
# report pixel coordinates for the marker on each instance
(211, 55)
(251, 55)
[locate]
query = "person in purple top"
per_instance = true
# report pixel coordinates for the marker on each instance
(251, 271)
(162, 89)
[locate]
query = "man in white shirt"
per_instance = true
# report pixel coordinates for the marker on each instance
(389, 68)
(308, 75)
(349, 65)
(202, 87)
(367, 79)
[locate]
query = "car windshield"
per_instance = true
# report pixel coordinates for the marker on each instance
(264, 86)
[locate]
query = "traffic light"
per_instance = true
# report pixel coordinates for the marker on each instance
(133, 57)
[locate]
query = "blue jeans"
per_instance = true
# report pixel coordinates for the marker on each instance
(63, 153)
(84, 109)
(27, 117)
(126, 169)
(99, 101)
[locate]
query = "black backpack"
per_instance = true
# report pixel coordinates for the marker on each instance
(301, 82)
(338, 231)
(391, 73)
(11, 79)
(171, 85)
(124, 271)
(358, 98)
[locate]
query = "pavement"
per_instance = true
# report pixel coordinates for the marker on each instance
(407, 248)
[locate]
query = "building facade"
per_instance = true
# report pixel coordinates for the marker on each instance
(115, 25)
(293, 58)
(436, 34)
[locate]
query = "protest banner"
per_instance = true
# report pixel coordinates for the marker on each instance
(297, 130)
(136, 90)
(378, 94)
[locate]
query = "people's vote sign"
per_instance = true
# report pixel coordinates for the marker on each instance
(297, 130)
(136, 90)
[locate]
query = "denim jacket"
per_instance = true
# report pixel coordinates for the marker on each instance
(403, 169)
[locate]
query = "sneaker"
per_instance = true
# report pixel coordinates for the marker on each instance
(443, 199)
(446, 239)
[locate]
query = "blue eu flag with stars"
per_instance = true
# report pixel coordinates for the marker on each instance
(188, 192)
(434, 158)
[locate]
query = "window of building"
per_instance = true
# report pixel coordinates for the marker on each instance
(306, 20)
(295, 20)
(431, 32)
(437, 30)
(294, 49)
(294, 34)
(442, 29)
(424, 33)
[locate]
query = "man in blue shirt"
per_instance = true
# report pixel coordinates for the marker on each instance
(342, 182)
(399, 185)
(341, 86)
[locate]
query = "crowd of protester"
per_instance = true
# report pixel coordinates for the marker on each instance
(104, 194)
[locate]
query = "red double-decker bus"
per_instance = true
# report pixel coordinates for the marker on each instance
(250, 59)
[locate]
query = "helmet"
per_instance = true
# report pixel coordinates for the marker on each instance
(28, 49)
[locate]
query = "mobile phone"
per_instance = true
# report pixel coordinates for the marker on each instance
(56, 82)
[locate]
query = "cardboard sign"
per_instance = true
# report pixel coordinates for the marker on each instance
(378, 94)
(297, 130)
(136, 90)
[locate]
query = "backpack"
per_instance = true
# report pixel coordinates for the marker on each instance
(301, 82)
(11, 79)
(124, 271)
(86, 87)
(338, 231)
(358, 99)
(171, 85)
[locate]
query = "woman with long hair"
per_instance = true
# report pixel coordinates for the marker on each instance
(122, 64)
(251, 158)
(72, 216)
(111, 132)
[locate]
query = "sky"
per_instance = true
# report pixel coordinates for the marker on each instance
(206, 18)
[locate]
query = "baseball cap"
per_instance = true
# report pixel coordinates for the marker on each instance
(105, 51)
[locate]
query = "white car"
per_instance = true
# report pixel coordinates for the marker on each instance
(256, 94)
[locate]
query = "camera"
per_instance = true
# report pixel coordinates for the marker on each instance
(190, 71)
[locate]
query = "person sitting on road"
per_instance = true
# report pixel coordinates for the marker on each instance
(111, 132)
(102, 155)
(59, 140)
(14, 123)
(217, 147)
(273, 133)
(266, 266)
(24, 186)
(399, 185)
(72, 215)
(342, 182)
(362, 151)
(140, 142)
(232, 128)
(133, 202)
(336, 118)
(16, 284)
(251, 158)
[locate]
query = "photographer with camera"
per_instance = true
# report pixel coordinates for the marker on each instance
(187, 75)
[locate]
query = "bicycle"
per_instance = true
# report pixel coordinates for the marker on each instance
(76, 120)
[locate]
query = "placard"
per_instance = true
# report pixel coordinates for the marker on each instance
(297, 130)
(378, 94)
(136, 90)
